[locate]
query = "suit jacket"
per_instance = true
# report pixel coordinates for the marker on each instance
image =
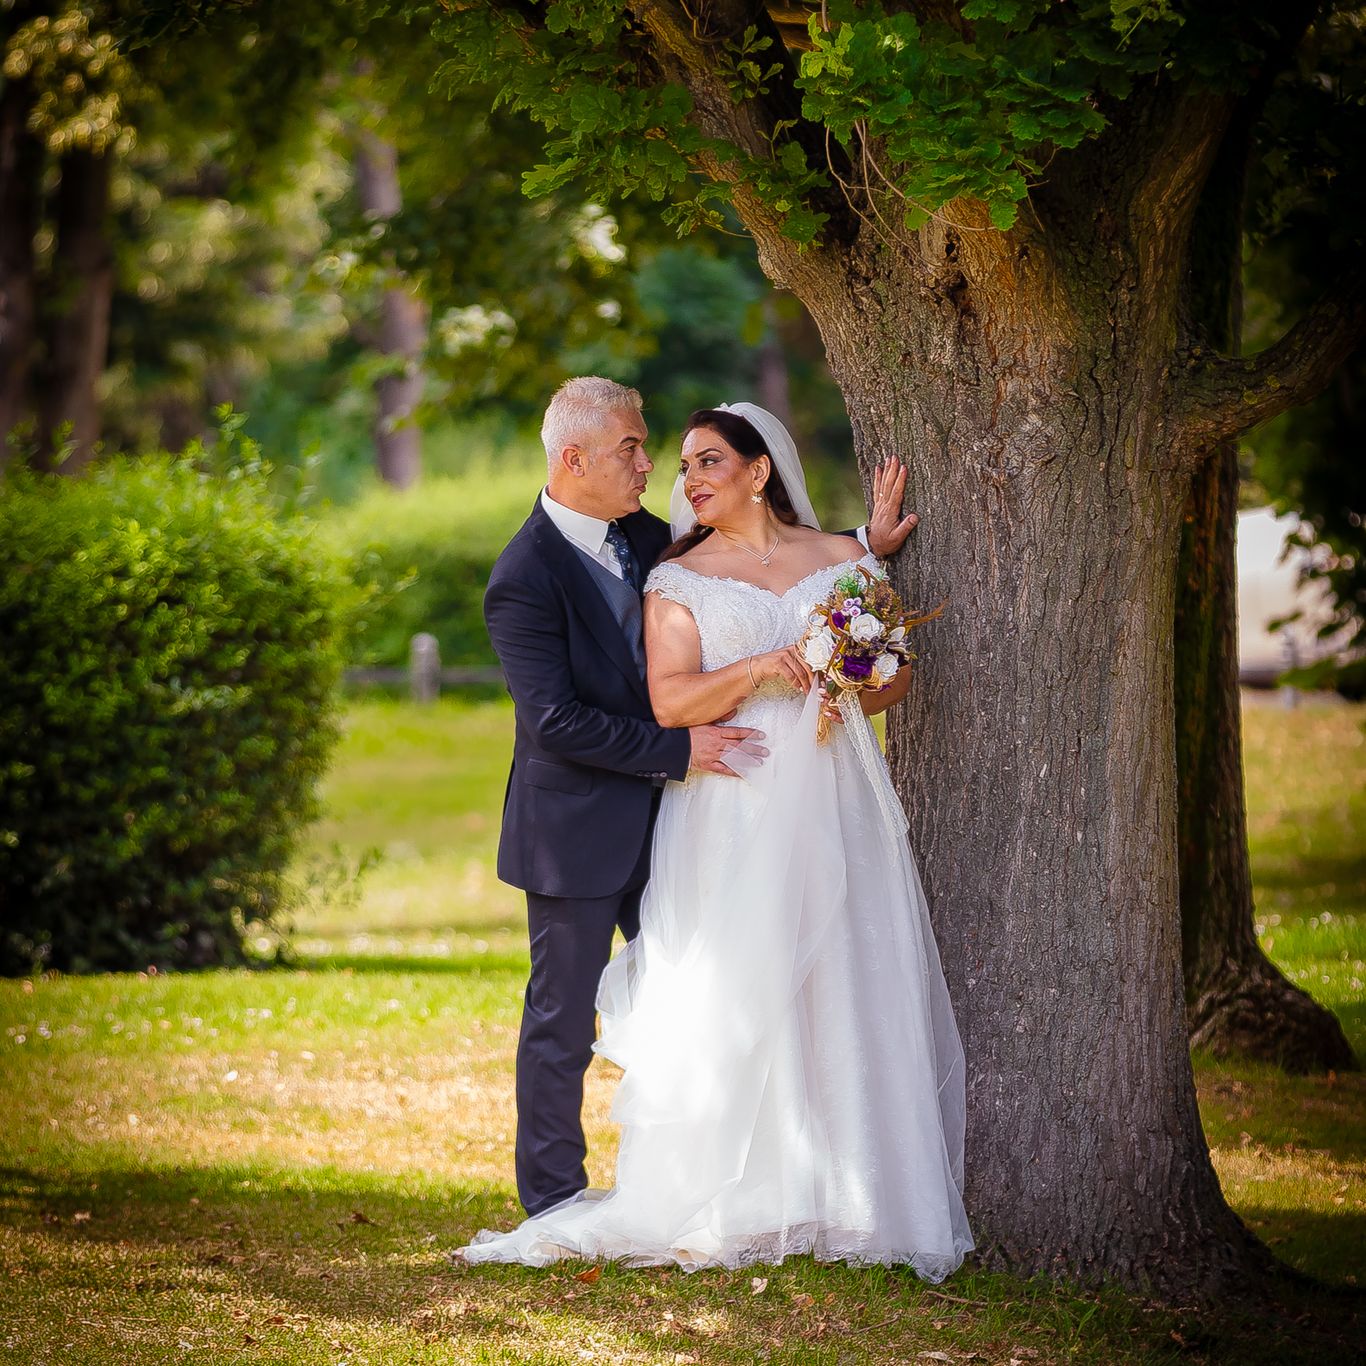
(588, 757)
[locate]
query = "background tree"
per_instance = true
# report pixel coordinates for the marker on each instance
(400, 336)
(62, 117)
(1238, 1001)
(1303, 233)
(81, 83)
(988, 209)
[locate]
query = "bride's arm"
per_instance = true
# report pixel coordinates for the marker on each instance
(874, 702)
(680, 692)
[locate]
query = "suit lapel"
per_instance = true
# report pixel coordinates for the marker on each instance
(586, 596)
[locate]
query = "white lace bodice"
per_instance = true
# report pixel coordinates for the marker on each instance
(736, 618)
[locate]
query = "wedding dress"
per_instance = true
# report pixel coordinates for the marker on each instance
(793, 1079)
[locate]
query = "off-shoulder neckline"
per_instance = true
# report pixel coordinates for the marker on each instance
(727, 578)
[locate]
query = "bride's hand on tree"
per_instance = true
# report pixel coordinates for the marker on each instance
(887, 528)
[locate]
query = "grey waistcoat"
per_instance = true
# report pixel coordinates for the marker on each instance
(625, 605)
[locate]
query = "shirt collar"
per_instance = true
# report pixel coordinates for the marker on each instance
(589, 532)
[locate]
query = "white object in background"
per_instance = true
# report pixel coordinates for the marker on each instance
(1269, 589)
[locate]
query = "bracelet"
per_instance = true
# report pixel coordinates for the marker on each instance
(749, 665)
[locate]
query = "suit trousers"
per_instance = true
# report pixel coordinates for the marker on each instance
(571, 943)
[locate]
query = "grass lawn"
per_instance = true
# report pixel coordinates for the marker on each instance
(272, 1166)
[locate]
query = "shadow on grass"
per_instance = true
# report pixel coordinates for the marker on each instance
(1345, 869)
(1315, 1113)
(371, 1254)
(1352, 1016)
(1295, 1235)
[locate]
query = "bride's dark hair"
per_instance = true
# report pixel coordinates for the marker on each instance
(744, 437)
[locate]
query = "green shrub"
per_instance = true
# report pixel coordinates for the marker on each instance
(172, 646)
(435, 544)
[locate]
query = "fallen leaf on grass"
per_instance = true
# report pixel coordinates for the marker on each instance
(359, 1217)
(933, 1356)
(589, 1277)
(803, 1301)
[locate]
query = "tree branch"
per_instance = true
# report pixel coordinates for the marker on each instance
(1225, 396)
(687, 48)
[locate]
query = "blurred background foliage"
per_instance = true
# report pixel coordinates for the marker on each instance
(294, 212)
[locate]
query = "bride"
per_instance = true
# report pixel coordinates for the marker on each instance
(792, 1073)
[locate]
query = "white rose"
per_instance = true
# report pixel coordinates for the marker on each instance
(865, 627)
(819, 648)
(885, 666)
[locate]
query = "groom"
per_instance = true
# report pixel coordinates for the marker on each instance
(589, 762)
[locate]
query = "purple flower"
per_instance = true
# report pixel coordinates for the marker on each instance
(837, 619)
(855, 667)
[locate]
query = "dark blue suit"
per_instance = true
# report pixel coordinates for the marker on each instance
(588, 764)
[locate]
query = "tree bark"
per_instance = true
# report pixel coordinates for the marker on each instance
(1035, 756)
(77, 318)
(1238, 1002)
(402, 332)
(21, 164)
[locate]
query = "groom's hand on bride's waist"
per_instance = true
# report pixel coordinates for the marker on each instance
(711, 745)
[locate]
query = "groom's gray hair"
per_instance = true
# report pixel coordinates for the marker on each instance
(579, 411)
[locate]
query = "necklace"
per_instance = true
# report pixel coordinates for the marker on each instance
(763, 559)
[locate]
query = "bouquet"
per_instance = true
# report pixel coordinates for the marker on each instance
(857, 637)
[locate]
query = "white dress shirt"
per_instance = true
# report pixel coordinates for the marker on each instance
(588, 533)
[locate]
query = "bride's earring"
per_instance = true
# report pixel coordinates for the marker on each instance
(756, 497)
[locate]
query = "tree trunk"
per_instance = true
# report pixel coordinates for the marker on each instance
(77, 317)
(398, 439)
(1237, 1000)
(21, 164)
(402, 332)
(1035, 754)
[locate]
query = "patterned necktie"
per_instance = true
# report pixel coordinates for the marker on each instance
(616, 538)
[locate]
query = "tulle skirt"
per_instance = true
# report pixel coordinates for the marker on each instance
(792, 1075)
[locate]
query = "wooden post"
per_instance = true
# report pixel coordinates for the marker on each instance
(424, 668)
